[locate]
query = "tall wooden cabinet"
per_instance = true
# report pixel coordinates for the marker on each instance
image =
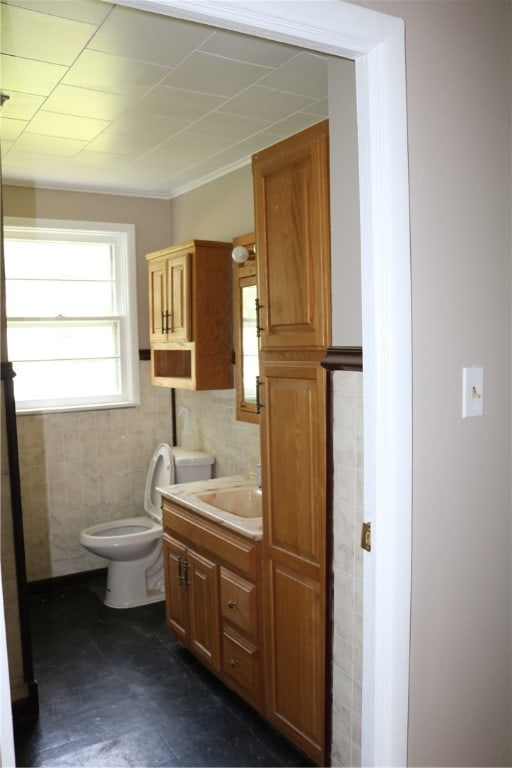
(291, 191)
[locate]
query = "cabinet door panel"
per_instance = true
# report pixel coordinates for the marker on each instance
(157, 300)
(178, 282)
(204, 608)
(291, 195)
(296, 679)
(176, 597)
(293, 434)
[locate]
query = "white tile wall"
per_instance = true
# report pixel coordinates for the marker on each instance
(348, 567)
(206, 421)
(78, 469)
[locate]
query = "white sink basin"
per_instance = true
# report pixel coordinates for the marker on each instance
(243, 501)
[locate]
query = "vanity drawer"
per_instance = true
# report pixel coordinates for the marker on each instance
(238, 601)
(240, 663)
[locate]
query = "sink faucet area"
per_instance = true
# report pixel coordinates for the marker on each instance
(242, 501)
(235, 502)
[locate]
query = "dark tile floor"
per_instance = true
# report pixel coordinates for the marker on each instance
(115, 689)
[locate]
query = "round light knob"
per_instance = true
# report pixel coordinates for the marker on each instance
(240, 254)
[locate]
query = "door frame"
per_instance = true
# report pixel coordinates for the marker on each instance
(375, 41)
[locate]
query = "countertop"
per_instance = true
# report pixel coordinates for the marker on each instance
(185, 494)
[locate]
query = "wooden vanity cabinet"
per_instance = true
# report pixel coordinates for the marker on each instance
(213, 594)
(291, 191)
(190, 315)
(192, 582)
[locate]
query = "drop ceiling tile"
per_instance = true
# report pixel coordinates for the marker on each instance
(305, 75)
(288, 127)
(230, 126)
(257, 101)
(38, 36)
(173, 102)
(140, 176)
(182, 151)
(113, 74)
(28, 76)
(320, 108)
(99, 160)
(253, 50)
(66, 126)
(139, 35)
(31, 162)
(89, 11)
(21, 106)
(84, 102)
(205, 73)
(50, 145)
(11, 129)
(153, 127)
(129, 146)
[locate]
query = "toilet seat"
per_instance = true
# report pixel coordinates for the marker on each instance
(124, 539)
(160, 472)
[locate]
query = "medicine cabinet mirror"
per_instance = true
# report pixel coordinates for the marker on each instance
(246, 331)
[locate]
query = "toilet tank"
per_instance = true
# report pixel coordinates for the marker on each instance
(191, 465)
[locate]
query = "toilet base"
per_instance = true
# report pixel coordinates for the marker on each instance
(133, 583)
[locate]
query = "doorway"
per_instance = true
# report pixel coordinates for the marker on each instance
(376, 43)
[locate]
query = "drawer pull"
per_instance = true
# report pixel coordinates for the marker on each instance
(234, 663)
(232, 605)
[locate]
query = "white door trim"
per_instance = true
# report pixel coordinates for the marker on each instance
(376, 42)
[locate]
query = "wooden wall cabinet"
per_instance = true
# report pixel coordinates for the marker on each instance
(291, 190)
(190, 315)
(213, 597)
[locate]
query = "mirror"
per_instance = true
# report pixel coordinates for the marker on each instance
(245, 331)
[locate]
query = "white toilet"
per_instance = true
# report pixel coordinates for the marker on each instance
(133, 545)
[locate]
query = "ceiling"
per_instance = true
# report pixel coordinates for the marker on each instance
(113, 99)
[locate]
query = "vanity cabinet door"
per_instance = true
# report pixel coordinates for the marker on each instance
(176, 602)
(202, 584)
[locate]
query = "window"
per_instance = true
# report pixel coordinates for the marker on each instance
(71, 314)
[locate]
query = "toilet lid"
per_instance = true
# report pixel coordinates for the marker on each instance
(160, 472)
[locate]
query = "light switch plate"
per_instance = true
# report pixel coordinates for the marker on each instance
(472, 391)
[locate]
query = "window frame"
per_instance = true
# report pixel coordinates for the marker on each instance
(122, 238)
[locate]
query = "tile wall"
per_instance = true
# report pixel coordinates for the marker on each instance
(206, 421)
(348, 567)
(78, 469)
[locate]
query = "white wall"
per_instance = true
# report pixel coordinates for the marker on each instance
(458, 58)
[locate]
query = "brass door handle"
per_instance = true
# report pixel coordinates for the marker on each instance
(234, 663)
(232, 605)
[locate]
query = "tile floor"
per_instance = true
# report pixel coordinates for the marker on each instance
(115, 689)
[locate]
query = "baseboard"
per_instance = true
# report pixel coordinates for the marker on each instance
(68, 580)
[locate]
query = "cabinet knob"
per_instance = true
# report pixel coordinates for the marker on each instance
(232, 605)
(234, 663)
